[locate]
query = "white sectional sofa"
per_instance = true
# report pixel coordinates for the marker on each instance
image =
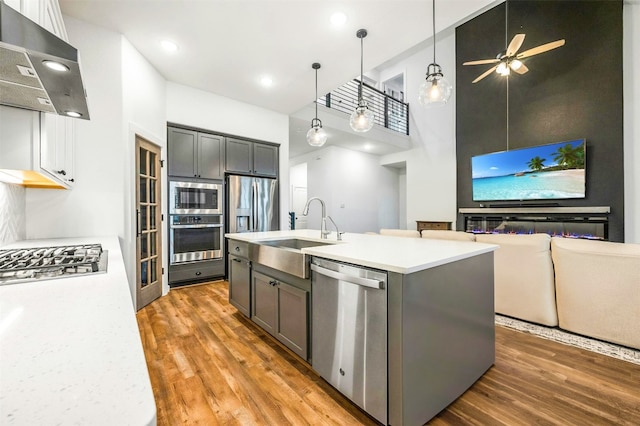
(586, 287)
(523, 276)
(598, 289)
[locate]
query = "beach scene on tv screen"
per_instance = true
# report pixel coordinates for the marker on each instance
(554, 171)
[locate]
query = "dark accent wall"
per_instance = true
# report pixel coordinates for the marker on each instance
(571, 92)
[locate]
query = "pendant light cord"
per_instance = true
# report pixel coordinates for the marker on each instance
(361, 69)
(316, 100)
(506, 38)
(433, 16)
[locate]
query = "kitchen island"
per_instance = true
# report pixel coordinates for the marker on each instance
(70, 349)
(439, 336)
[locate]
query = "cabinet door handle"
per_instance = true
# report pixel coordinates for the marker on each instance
(236, 260)
(61, 172)
(138, 232)
(237, 248)
(198, 273)
(273, 283)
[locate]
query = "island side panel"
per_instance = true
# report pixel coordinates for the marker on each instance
(441, 336)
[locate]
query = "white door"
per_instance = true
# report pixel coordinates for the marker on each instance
(298, 200)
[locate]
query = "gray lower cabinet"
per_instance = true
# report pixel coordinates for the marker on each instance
(240, 284)
(255, 158)
(239, 270)
(282, 310)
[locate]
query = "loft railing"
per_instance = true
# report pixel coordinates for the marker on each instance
(389, 112)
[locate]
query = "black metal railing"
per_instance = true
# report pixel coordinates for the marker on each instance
(389, 112)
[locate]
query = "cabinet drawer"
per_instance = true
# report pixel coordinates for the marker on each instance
(239, 248)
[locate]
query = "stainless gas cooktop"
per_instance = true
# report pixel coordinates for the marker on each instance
(42, 263)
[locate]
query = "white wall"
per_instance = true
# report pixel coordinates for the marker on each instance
(631, 70)
(12, 213)
(360, 195)
(126, 96)
(205, 110)
(144, 99)
(95, 205)
(431, 165)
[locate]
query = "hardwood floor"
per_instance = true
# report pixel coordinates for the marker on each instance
(211, 365)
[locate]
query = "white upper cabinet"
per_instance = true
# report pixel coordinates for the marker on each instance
(45, 13)
(40, 143)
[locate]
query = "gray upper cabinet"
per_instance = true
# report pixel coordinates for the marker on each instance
(195, 154)
(210, 155)
(251, 157)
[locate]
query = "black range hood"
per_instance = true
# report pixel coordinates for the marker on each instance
(25, 79)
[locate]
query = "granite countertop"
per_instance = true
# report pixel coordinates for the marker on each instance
(70, 349)
(395, 254)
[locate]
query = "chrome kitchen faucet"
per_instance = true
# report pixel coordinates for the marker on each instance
(323, 223)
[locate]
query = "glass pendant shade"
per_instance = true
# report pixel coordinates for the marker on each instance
(361, 118)
(316, 136)
(436, 89)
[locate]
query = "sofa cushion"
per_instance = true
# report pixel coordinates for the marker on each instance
(437, 234)
(400, 233)
(523, 274)
(598, 289)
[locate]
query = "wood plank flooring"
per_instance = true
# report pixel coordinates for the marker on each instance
(211, 365)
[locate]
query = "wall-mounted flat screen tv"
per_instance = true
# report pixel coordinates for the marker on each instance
(545, 172)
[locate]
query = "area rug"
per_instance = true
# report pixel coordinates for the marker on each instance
(560, 336)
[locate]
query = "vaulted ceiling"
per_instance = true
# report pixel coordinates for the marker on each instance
(226, 47)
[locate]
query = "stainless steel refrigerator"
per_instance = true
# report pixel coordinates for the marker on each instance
(252, 204)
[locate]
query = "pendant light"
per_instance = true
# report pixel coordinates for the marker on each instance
(435, 90)
(362, 117)
(316, 136)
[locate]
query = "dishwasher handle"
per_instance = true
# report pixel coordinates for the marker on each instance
(367, 282)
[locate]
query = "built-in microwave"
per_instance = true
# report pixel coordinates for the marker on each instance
(195, 198)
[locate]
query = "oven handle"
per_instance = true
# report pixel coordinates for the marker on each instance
(209, 225)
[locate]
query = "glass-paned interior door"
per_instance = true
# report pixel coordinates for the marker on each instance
(148, 223)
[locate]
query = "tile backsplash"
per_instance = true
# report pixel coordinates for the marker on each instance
(12, 213)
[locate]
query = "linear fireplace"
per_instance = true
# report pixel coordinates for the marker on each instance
(571, 222)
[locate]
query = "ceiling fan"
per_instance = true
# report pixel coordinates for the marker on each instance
(511, 60)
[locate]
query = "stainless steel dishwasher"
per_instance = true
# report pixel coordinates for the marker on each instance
(349, 332)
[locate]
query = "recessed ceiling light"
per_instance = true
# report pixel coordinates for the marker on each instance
(169, 45)
(368, 147)
(266, 81)
(56, 66)
(338, 19)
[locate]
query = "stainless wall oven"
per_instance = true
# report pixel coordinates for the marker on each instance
(195, 238)
(195, 198)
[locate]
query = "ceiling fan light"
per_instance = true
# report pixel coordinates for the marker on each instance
(515, 64)
(362, 118)
(502, 69)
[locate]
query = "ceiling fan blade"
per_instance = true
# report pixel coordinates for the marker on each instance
(515, 44)
(540, 49)
(521, 69)
(484, 74)
(482, 62)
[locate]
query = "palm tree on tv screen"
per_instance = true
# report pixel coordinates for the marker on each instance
(536, 163)
(569, 157)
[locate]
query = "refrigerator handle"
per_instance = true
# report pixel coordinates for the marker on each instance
(254, 206)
